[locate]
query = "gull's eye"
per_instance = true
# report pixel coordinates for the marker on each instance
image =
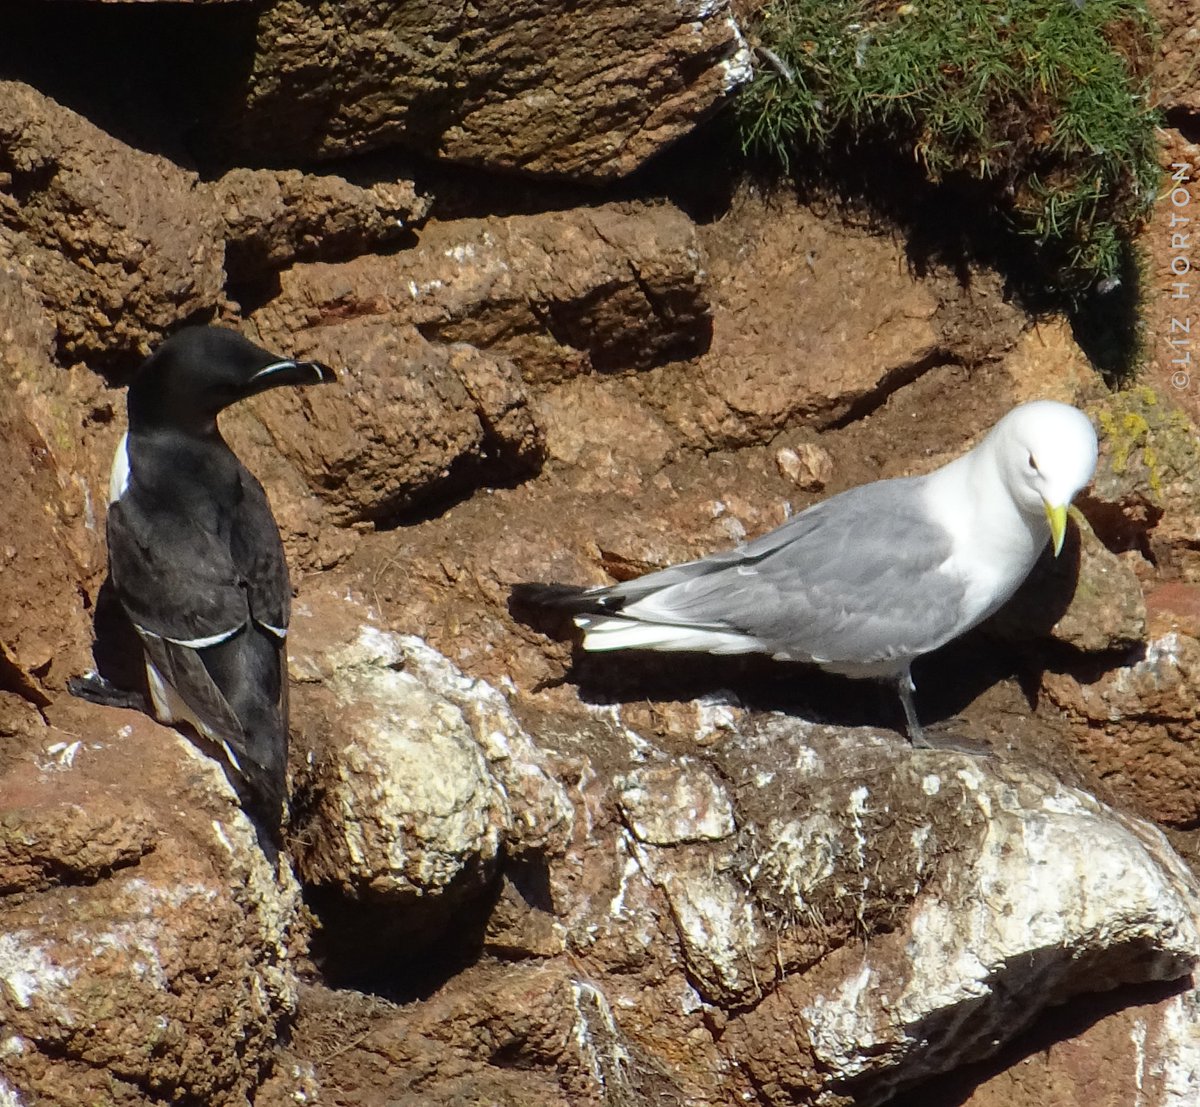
(1033, 463)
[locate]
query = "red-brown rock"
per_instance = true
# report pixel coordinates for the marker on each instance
(587, 92)
(408, 421)
(120, 244)
(275, 217)
(146, 941)
(50, 547)
(561, 293)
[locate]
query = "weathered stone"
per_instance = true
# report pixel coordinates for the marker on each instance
(588, 92)
(1174, 72)
(273, 218)
(983, 892)
(504, 1035)
(46, 550)
(561, 293)
(1166, 272)
(669, 805)
(1142, 1047)
(538, 816)
(408, 421)
(407, 806)
(807, 465)
(144, 937)
(1144, 494)
(877, 918)
(421, 775)
(814, 321)
(594, 425)
(1138, 724)
(119, 244)
(1174, 607)
(1087, 598)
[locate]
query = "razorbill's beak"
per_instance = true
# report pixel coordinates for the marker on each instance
(280, 373)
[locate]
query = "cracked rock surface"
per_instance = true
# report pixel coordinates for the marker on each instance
(515, 873)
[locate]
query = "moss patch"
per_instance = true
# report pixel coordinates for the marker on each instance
(1147, 446)
(1045, 100)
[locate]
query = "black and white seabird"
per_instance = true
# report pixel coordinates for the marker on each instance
(195, 556)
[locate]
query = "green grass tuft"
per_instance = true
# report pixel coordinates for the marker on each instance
(1045, 100)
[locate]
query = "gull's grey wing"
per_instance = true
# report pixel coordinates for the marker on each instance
(854, 580)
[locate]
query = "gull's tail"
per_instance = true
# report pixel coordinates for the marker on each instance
(611, 620)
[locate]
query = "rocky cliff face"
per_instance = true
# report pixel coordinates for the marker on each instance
(513, 874)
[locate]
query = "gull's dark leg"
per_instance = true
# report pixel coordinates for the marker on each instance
(916, 735)
(95, 689)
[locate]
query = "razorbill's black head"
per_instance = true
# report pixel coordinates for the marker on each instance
(196, 559)
(199, 371)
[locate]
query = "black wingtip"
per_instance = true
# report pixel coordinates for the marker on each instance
(554, 597)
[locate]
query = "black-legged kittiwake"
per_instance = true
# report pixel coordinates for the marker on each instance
(195, 555)
(867, 581)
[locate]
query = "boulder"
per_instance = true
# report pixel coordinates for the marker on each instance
(561, 293)
(146, 939)
(971, 895)
(120, 244)
(587, 93)
(273, 218)
(508, 1035)
(409, 421)
(414, 781)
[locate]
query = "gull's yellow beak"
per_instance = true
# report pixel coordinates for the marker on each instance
(1057, 518)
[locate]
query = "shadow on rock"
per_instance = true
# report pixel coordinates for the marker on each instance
(948, 680)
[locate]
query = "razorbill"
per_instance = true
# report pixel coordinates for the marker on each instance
(864, 583)
(195, 557)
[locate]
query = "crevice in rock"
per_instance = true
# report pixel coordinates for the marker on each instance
(254, 292)
(146, 73)
(892, 381)
(25, 184)
(1186, 122)
(1057, 1024)
(14, 679)
(466, 475)
(399, 949)
(57, 873)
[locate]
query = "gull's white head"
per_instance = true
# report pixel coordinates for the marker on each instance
(1047, 453)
